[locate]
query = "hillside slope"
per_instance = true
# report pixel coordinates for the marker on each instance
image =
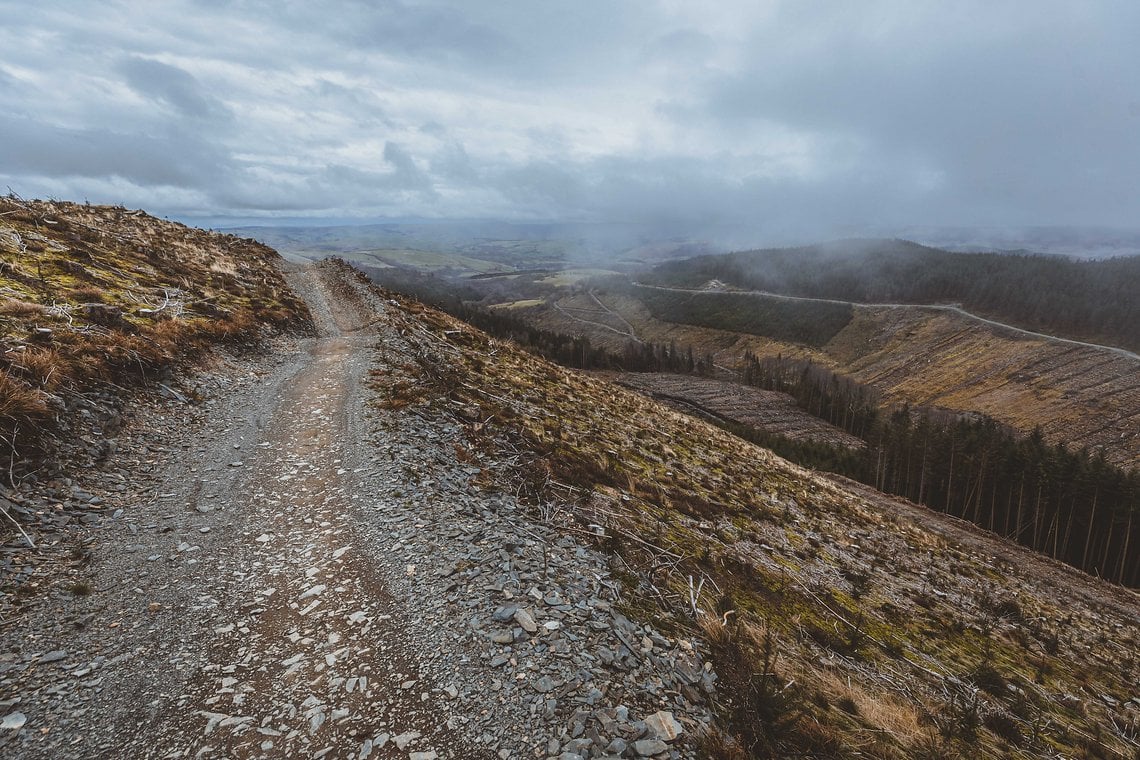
(1080, 396)
(296, 566)
(905, 632)
(94, 297)
(403, 536)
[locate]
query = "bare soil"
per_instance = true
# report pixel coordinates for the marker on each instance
(769, 411)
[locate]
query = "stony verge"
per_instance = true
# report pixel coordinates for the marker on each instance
(546, 661)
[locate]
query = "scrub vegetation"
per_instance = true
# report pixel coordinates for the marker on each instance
(103, 297)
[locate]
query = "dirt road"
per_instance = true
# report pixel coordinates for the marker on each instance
(245, 618)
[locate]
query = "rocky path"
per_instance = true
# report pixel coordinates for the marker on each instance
(299, 576)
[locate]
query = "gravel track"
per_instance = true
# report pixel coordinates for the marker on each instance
(297, 574)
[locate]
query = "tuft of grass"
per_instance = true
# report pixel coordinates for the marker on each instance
(20, 404)
(987, 678)
(1005, 726)
(42, 368)
(87, 294)
(14, 307)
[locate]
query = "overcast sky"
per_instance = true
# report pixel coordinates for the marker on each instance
(824, 114)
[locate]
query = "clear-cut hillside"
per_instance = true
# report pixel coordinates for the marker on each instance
(1080, 396)
(842, 621)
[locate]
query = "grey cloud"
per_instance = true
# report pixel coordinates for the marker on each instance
(362, 103)
(437, 34)
(699, 193)
(686, 47)
(1010, 118)
(433, 30)
(329, 188)
(549, 140)
(40, 149)
(812, 112)
(173, 86)
(544, 188)
(453, 164)
(407, 176)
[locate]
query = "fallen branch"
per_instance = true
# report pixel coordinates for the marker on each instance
(19, 527)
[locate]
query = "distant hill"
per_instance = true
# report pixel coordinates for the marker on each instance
(460, 248)
(1087, 300)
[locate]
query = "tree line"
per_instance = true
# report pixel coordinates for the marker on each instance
(1072, 505)
(809, 323)
(832, 397)
(1091, 300)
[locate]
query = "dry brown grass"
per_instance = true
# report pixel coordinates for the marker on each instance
(43, 368)
(58, 257)
(87, 294)
(20, 405)
(878, 710)
(15, 307)
(233, 327)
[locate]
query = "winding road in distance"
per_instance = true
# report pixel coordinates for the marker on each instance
(937, 307)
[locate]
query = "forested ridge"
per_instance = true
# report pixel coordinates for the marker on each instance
(1088, 300)
(807, 322)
